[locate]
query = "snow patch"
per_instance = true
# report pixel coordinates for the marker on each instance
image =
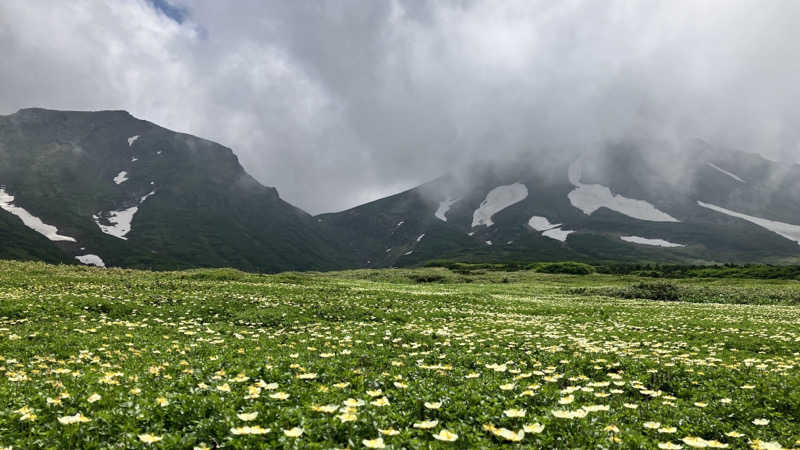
(540, 223)
(653, 242)
(444, 206)
(119, 222)
(31, 221)
(551, 230)
(146, 196)
(121, 177)
(591, 197)
(91, 260)
(787, 230)
(557, 234)
(730, 174)
(497, 200)
(132, 139)
(419, 238)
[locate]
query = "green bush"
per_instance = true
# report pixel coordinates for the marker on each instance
(652, 291)
(224, 274)
(427, 278)
(572, 268)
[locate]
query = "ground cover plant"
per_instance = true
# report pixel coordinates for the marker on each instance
(651, 270)
(423, 358)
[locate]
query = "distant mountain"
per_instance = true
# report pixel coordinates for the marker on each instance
(640, 201)
(107, 188)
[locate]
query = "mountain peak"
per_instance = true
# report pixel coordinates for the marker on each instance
(44, 111)
(134, 194)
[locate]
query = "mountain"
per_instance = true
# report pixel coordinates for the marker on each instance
(637, 201)
(107, 188)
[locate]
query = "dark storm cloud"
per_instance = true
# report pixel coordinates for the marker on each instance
(340, 102)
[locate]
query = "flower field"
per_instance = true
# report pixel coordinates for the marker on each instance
(94, 358)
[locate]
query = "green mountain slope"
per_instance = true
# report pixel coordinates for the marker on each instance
(194, 204)
(106, 186)
(21, 243)
(619, 204)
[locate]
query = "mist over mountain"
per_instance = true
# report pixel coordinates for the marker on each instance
(398, 131)
(342, 103)
(621, 202)
(287, 224)
(107, 189)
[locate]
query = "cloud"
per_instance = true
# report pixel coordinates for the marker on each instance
(175, 13)
(339, 102)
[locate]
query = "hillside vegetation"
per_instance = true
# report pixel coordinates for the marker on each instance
(411, 358)
(757, 271)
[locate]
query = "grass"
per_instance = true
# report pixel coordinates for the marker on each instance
(187, 359)
(650, 270)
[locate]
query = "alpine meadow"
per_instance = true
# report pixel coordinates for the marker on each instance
(420, 358)
(399, 224)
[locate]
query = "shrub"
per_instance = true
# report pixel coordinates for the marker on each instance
(652, 291)
(427, 278)
(224, 274)
(572, 268)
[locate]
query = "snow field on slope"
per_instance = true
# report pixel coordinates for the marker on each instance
(787, 230)
(497, 200)
(119, 221)
(444, 206)
(730, 174)
(91, 260)
(121, 177)
(651, 242)
(31, 221)
(591, 197)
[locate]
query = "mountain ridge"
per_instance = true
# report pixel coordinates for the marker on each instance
(623, 211)
(181, 202)
(123, 191)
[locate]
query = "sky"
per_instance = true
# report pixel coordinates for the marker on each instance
(336, 103)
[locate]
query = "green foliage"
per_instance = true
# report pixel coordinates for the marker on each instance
(755, 271)
(215, 274)
(651, 291)
(463, 267)
(180, 356)
(427, 278)
(698, 293)
(572, 268)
